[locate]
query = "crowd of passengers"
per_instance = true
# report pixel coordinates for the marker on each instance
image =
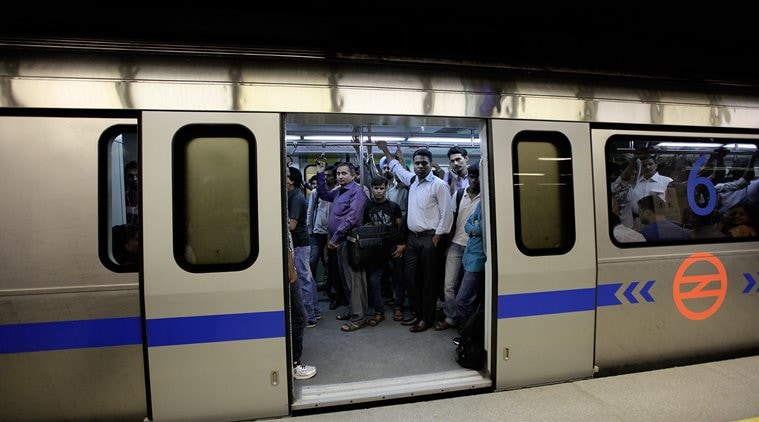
(433, 266)
(650, 198)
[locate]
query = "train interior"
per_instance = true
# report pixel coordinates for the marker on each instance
(387, 360)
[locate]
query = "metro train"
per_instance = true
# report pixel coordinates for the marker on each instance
(143, 227)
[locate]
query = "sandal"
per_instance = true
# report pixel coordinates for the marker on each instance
(343, 316)
(352, 326)
(397, 314)
(378, 317)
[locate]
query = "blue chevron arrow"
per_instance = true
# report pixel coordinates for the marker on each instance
(644, 291)
(751, 282)
(629, 292)
(606, 294)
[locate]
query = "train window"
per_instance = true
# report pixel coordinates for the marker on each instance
(675, 190)
(543, 193)
(120, 193)
(215, 181)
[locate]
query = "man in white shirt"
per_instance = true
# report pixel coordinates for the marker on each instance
(647, 182)
(429, 220)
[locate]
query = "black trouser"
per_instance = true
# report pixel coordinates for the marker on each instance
(424, 275)
(396, 268)
(336, 284)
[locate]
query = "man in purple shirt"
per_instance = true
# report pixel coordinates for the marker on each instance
(347, 212)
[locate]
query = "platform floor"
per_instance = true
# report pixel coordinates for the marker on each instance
(725, 390)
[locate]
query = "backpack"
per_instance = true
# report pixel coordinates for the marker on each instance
(470, 352)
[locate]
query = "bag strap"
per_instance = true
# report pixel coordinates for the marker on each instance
(459, 195)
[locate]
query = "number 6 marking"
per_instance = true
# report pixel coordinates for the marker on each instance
(694, 180)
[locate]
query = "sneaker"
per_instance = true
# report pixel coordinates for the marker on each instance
(303, 372)
(456, 340)
(318, 317)
(311, 324)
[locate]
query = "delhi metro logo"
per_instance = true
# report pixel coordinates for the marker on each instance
(700, 286)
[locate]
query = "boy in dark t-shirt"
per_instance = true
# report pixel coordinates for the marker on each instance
(381, 211)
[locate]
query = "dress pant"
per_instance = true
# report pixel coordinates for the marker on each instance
(318, 242)
(355, 284)
(396, 266)
(335, 281)
(424, 275)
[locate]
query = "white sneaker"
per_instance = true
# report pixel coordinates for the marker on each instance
(303, 372)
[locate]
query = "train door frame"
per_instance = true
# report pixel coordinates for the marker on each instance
(217, 327)
(545, 299)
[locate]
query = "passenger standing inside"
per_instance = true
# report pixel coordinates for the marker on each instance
(738, 222)
(656, 227)
(647, 182)
(132, 193)
(298, 318)
(296, 206)
(456, 176)
(396, 190)
(429, 221)
(470, 294)
(382, 212)
(623, 233)
(743, 190)
(317, 216)
(348, 202)
(470, 199)
(398, 193)
(126, 244)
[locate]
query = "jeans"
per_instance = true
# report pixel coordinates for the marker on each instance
(297, 319)
(470, 294)
(308, 285)
(452, 271)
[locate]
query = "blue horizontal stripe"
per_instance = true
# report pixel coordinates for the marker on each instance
(35, 337)
(215, 328)
(546, 303)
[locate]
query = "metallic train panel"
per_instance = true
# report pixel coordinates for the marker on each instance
(645, 314)
(166, 82)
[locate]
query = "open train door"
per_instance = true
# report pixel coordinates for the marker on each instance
(212, 274)
(545, 250)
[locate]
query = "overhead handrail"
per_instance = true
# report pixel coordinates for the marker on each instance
(401, 143)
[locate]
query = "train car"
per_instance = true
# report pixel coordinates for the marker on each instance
(144, 272)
